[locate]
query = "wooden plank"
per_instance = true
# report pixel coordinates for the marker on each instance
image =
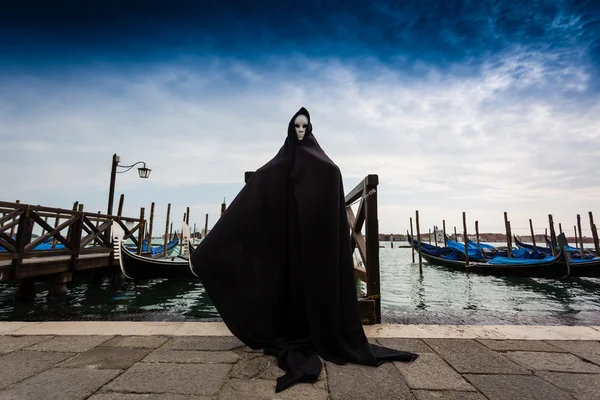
(97, 235)
(55, 232)
(10, 216)
(358, 237)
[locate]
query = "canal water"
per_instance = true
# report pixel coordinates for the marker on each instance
(438, 296)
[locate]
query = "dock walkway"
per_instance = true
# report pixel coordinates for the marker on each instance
(197, 360)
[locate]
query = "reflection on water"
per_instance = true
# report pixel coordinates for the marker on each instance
(438, 295)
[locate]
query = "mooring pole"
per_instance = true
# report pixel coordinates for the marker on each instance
(419, 242)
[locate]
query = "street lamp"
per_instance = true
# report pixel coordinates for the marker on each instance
(142, 171)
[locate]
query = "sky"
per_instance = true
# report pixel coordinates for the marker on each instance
(458, 106)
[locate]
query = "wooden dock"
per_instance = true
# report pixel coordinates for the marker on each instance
(80, 241)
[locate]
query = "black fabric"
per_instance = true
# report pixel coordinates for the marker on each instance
(278, 265)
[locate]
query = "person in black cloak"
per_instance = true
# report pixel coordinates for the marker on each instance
(278, 264)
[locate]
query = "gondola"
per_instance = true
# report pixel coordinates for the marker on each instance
(586, 268)
(156, 251)
(134, 266)
(556, 267)
(543, 250)
(575, 251)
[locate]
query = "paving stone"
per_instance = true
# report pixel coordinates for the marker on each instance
(522, 387)
(447, 395)
(12, 343)
(430, 371)
(469, 356)
(252, 365)
(353, 381)
(192, 357)
(60, 384)
(588, 349)
(191, 379)
(19, 365)
(146, 396)
(580, 386)
(260, 389)
(519, 345)
(206, 343)
(410, 345)
(73, 344)
(106, 358)
(559, 362)
(144, 342)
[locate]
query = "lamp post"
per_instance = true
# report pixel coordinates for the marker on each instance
(143, 172)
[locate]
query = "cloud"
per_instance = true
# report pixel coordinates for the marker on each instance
(518, 134)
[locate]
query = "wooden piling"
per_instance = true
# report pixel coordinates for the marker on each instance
(171, 232)
(391, 240)
(510, 241)
(223, 207)
(12, 230)
(531, 230)
(552, 235)
(150, 225)
(187, 216)
(419, 242)
(444, 227)
(594, 234)
(75, 206)
(477, 234)
(56, 223)
(205, 226)
(435, 236)
(412, 239)
(576, 239)
(580, 236)
(141, 232)
(194, 235)
(560, 228)
(506, 227)
(166, 241)
(97, 224)
(466, 240)
(429, 237)
(455, 235)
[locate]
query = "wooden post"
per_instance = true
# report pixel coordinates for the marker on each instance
(506, 227)
(560, 227)
(435, 235)
(372, 243)
(580, 236)
(56, 223)
(205, 226)
(419, 242)
(552, 235)
(171, 232)
(594, 234)
(141, 232)
(412, 241)
(97, 224)
(223, 207)
(166, 241)
(187, 216)
(12, 230)
(455, 235)
(391, 240)
(181, 238)
(477, 234)
(150, 226)
(194, 235)
(532, 234)
(70, 229)
(444, 226)
(429, 237)
(466, 240)
(576, 239)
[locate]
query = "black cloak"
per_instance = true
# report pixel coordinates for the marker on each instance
(278, 265)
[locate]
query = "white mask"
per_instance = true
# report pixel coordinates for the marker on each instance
(301, 123)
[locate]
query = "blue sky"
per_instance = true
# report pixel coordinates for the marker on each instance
(476, 106)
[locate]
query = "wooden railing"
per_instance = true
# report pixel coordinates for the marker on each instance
(80, 233)
(367, 244)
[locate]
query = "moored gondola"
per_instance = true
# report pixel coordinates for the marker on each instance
(555, 267)
(134, 266)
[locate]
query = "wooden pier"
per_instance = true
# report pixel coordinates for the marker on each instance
(80, 241)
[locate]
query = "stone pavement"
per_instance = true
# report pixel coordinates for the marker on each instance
(180, 367)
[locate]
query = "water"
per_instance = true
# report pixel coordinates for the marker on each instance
(439, 296)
